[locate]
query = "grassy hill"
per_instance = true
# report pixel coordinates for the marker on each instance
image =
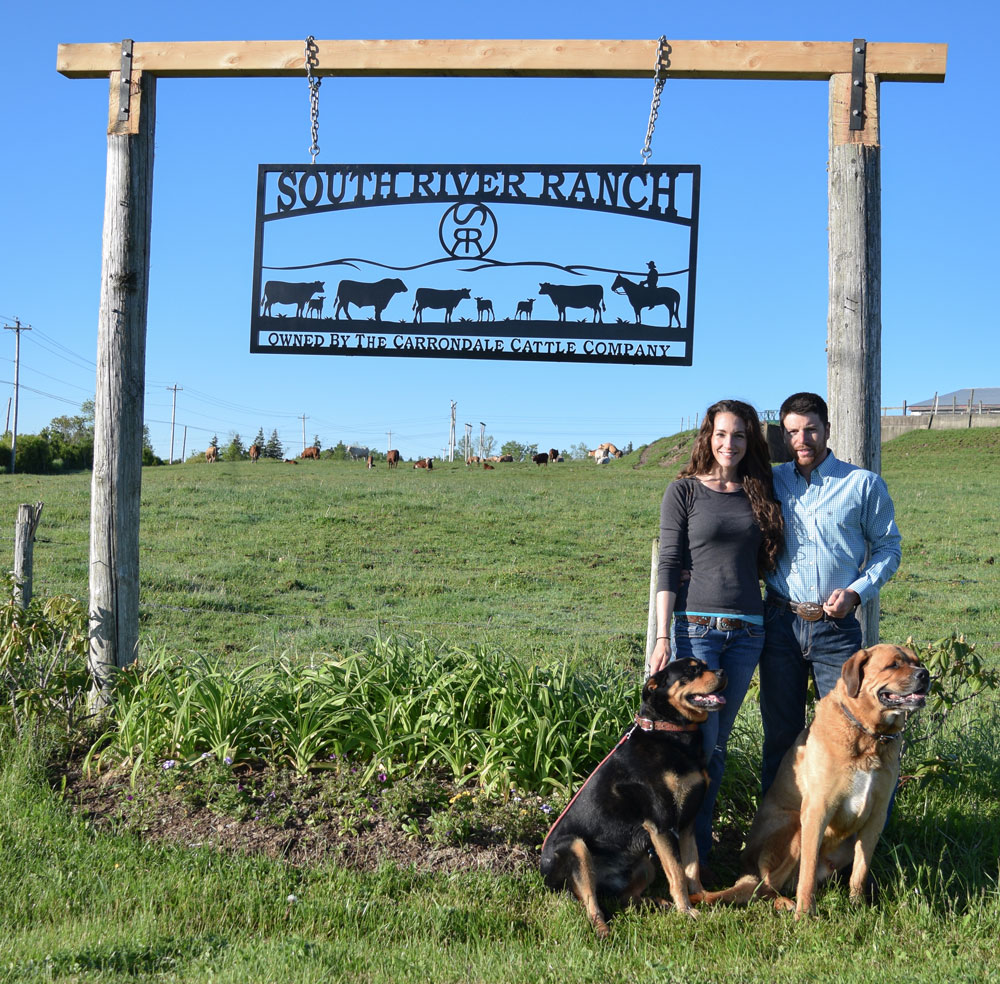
(546, 565)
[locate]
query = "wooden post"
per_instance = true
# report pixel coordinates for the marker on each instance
(854, 327)
(118, 406)
(24, 545)
(651, 618)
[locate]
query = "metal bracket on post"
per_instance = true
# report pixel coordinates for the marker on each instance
(125, 91)
(858, 84)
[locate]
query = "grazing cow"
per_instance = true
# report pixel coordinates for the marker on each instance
(576, 296)
(212, 454)
(506, 457)
(484, 306)
(356, 453)
(315, 304)
(487, 466)
(360, 294)
(311, 453)
(254, 452)
(540, 459)
(428, 297)
(279, 292)
(524, 307)
(370, 461)
(553, 454)
(392, 458)
(427, 463)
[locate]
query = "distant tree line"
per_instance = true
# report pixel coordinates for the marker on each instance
(66, 444)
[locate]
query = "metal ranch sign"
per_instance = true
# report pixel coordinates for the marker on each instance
(550, 263)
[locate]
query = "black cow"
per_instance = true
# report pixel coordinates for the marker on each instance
(428, 297)
(279, 292)
(360, 294)
(540, 459)
(576, 296)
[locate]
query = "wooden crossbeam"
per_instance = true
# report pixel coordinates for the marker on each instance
(817, 60)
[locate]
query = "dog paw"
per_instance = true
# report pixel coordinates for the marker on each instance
(782, 904)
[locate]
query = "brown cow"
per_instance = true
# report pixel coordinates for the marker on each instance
(254, 452)
(370, 461)
(487, 466)
(473, 459)
(540, 459)
(311, 453)
(212, 454)
(290, 461)
(425, 463)
(506, 457)
(392, 458)
(553, 454)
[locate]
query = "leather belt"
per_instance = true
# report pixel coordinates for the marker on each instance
(811, 611)
(722, 623)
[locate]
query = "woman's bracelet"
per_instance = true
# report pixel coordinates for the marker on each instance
(658, 638)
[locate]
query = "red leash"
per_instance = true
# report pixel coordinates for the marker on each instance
(624, 738)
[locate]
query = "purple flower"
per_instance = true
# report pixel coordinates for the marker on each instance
(169, 764)
(546, 808)
(382, 777)
(228, 760)
(129, 796)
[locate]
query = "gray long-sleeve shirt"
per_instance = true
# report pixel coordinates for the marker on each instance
(715, 536)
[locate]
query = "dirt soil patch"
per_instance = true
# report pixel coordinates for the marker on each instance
(430, 825)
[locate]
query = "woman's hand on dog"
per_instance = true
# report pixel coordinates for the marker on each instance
(660, 656)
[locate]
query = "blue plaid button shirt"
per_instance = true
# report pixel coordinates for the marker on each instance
(840, 532)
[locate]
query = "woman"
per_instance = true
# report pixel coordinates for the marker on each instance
(720, 521)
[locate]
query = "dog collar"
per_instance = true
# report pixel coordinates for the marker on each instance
(877, 735)
(648, 724)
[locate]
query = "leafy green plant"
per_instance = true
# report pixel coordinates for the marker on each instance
(43, 659)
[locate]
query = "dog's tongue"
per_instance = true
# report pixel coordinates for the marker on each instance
(713, 699)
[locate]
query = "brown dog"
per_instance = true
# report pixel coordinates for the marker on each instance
(832, 792)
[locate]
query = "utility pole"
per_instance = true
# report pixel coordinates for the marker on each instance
(17, 328)
(482, 439)
(451, 432)
(184, 444)
(388, 446)
(303, 432)
(468, 441)
(173, 417)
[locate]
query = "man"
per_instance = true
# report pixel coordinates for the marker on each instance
(841, 546)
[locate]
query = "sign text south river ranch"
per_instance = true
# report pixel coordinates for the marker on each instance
(558, 263)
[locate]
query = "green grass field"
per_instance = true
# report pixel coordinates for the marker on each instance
(549, 566)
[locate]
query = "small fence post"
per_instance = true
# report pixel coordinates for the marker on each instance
(24, 544)
(651, 620)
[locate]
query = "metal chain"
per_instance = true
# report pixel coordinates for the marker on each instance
(663, 50)
(312, 61)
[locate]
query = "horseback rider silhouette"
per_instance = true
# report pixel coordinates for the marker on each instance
(652, 277)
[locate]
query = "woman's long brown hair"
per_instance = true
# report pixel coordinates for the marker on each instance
(754, 469)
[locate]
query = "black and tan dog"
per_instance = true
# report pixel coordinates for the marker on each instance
(644, 795)
(829, 800)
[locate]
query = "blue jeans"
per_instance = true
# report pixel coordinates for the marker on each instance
(794, 649)
(736, 653)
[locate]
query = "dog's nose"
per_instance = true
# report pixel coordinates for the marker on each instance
(923, 676)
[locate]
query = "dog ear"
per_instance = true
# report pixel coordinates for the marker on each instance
(853, 672)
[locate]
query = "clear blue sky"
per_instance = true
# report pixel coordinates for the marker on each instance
(762, 278)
